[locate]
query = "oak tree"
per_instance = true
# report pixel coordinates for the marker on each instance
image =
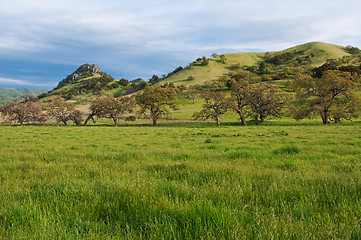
(332, 96)
(216, 104)
(110, 107)
(64, 111)
(240, 94)
(223, 58)
(157, 101)
(266, 100)
(193, 92)
(28, 110)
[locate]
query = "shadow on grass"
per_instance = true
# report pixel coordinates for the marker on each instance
(192, 124)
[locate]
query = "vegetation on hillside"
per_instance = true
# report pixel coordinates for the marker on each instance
(273, 86)
(9, 94)
(269, 65)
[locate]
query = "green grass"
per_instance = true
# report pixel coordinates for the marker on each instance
(281, 180)
(215, 68)
(321, 51)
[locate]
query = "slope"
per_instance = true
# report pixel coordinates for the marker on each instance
(311, 54)
(9, 94)
(87, 79)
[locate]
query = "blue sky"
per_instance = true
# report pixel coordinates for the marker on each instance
(42, 41)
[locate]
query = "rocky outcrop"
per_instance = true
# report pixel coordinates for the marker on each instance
(85, 70)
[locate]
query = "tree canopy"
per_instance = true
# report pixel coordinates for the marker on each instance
(332, 96)
(216, 104)
(28, 110)
(157, 101)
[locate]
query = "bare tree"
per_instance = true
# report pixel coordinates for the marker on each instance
(28, 110)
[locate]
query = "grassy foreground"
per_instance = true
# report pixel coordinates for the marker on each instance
(281, 181)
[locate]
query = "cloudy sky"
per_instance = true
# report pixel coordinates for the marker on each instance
(42, 41)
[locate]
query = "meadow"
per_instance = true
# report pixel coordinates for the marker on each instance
(280, 180)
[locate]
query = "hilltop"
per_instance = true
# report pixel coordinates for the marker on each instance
(89, 81)
(310, 55)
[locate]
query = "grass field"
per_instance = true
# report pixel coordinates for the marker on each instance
(281, 180)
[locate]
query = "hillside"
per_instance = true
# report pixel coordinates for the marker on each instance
(87, 79)
(9, 94)
(311, 54)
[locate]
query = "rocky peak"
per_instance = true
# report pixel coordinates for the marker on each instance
(85, 70)
(93, 69)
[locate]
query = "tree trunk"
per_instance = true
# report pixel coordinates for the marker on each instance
(242, 117)
(256, 120)
(262, 118)
(154, 122)
(324, 116)
(218, 122)
(88, 118)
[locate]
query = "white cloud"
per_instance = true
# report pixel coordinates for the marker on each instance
(129, 33)
(19, 82)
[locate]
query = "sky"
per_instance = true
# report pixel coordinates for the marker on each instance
(43, 41)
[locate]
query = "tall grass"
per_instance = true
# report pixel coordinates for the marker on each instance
(189, 181)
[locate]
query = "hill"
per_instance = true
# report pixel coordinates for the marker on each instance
(87, 79)
(9, 94)
(311, 54)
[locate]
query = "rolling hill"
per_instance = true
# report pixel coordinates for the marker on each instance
(311, 54)
(89, 81)
(9, 94)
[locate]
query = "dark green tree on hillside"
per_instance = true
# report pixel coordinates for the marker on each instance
(223, 58)
(204, 61)
(216, 104)
(155, 79)
(332, 96)
(157, 101)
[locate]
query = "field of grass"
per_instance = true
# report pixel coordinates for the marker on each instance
(281, 180)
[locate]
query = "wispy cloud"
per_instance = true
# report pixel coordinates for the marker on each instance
(134, 38)
(23, 83)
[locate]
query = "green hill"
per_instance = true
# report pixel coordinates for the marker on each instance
(87, 79)
(9, 94)
(310, 54)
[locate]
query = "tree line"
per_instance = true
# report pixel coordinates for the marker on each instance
(331, 96)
